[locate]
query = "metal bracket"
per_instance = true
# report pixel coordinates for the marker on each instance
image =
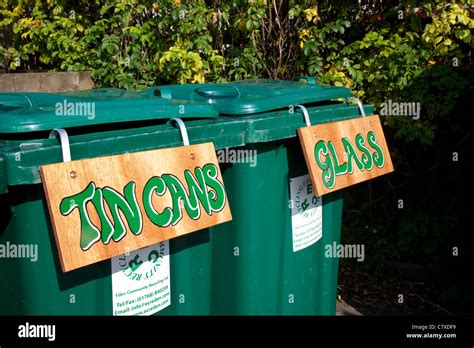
(182, 129)
(359, 103)
(305, 114)
(64, 139)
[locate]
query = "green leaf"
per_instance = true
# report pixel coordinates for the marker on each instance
(248, 25)
(437, 40)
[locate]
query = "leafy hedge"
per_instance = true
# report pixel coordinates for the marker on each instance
(134, 44)
(379, 50)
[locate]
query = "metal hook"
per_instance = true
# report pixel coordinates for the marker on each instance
(64, 139)
(305, 114)
(359, 103)
(182, 128)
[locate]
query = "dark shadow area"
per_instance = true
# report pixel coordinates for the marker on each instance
(5, 213)
(71, 279)
(189, 240)
(416, 223)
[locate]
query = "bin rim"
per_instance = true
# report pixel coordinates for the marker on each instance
(23, 112)
(253, 96)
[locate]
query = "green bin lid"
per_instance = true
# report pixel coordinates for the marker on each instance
(251, 96)
(29, 112)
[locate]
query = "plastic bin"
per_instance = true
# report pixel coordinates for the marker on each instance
(262, 276)
(254, 268)
(121, 122)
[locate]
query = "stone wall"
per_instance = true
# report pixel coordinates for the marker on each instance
(46, 82)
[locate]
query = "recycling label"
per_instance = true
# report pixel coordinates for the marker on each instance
(141, 281)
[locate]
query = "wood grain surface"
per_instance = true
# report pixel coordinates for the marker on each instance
(62, 180)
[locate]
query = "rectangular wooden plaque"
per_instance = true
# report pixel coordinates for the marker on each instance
(105, 206)
(344, 153)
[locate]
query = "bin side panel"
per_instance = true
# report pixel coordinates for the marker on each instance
(329, 266)
(32, 282)
(254, 268)
(190, 272)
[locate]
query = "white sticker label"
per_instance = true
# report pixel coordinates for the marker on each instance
(141, 281)
(306, 213)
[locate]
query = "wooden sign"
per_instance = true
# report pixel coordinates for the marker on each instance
(341, 154)
(103, 207)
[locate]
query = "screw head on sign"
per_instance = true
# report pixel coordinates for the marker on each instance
(192, 155)
(315, 135)
(73, 174)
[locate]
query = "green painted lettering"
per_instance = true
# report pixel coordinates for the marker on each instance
(205, 190)
(89, 233)
(351, 155)
(156, 185)
(339, 169)
(178, 195)
(197, 192)
(107, 228)
(217, 196)
(327, 166)
(366, 157)
(128, 205)
(377, 156)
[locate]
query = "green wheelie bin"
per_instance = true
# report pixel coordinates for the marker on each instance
(32, 282)
(256, 267)
(247, 266)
